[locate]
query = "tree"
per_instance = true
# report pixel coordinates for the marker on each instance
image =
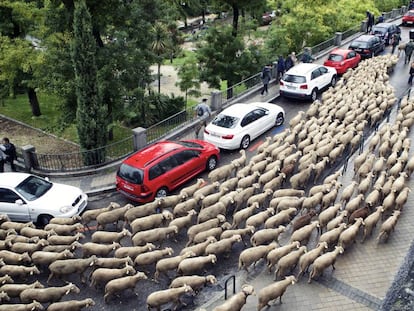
(189, 82)
(90, 114)
(159, 47)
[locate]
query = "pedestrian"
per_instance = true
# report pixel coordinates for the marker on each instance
(395, 41)
(409, 48)
(410, 79)
(370, 21)
(289, 62)
(381, 18)
(281, 67)
(203, 112)
(266, 76)
(307, 56)
(8, 154)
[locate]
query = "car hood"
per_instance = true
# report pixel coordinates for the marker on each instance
(60, 195)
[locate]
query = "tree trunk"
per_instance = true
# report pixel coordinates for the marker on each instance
(34, 103)
(235, 19)
(229, 89)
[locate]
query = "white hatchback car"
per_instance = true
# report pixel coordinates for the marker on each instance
(306, 80)
(236, 126)
(25, 197)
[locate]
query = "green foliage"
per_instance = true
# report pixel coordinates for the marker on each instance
(188, 74)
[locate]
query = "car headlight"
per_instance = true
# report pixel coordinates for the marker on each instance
(66, 209)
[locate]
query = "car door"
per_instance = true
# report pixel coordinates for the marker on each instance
(190, 163)
(250, 124)
(324, 77)
(13, 205)
(351, 60)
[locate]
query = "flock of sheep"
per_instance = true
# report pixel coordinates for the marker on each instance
(257, 203)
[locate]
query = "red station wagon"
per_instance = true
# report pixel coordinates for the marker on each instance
(342, 60)
(163, 166)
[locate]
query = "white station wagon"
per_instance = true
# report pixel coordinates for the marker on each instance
(25, 197)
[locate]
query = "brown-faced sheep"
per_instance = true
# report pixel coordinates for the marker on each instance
(49, 294)
(16, 271)
(281, 218)
(109, 237)
(65, 267)
(349, 235)
(46, 258)
(303, 220)
(253, 254)
(133, 251)
(122, 284)
(190, 265)
(274, 291)
(22, 307)
(324, 261)
(14, 290)
(195, 281)
(12, 258)
(387, 227)
(71, 305)
(265, 236)
(308, 258)
(153, 235)
(288, 262)
(158, 298)
(150, 221)
(104, 275)
(152, 257)
(237, 301)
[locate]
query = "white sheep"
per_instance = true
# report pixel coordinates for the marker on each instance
(182, 208)
(257, 220)
(331, 236)
(65, 267)
(14, 290)
(190, 265)
(171, 263)
(354, 203)
(260, 198)
(214, 232)
(113, 216)
(108, 237)
(288, 262)
(60, 240)
(33, 232)
(101, 250)
(91, 215)
(230, 184)
(265, 236)
(13, 258)
(237, 301)
(133, 251)
(288, 192)
(122, 284)
(275, 254)
(244, 194)
(133, 213)
(18, 271)
(152, 257)
(213, 198)
(223, 172)
(273, 291)
(64, 229)
(223, 245)
(195, 281)
(242, 160)
(388, 226)
(49, 294)
(303, 234)
(71, 305)
(349, 235)
(184, 221)
(22, 306)
(401, 198)
(158, 298)
(200, 248)
(46, 258)
(249, 180)
(275, 182)
(211, 223)
(371, 221)
(243, 232)
(253, 254)
(205, 190)
(149, 222)
(188, 192)
(281, 218)
(327, 215)
(104, 275)
(153, 235)
(211, 212)
(298, 180)
(171, 200)
(324, 261)
(308, 258)
(335, 222)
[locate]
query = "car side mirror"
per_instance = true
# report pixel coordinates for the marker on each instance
(19, 202)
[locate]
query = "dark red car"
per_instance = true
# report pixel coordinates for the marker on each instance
(163, 166)
(408, 18)
(342, 60)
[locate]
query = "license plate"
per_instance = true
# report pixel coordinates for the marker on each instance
(291, 87)
(214, 134)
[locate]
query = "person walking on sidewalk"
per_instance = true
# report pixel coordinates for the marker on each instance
(203, 112)
(408, 50)
(411, 72)
(266, 76)
(7, 154)
(395, 41)
(281, 67)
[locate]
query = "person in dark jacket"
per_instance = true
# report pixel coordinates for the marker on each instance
(266, 76)
(370, 21)
(8, 154)
(410, 79)
(395, 41)
(290, 61)
(281, 68)
(408, 50)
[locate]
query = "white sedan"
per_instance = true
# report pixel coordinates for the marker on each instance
(25, 197)
(236, 126)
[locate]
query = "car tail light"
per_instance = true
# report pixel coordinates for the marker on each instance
(230, 136)
(281, 82)
(304, 87)
(366, 51)
(207, 132)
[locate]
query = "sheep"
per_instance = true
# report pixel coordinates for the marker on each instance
(349, 234)
(230, 183)
(214, 232)
(206, 190)
(288, 262)
(228, 198)
(165, 264)
(22, 307)
(6, 233)
(240, 216)
(288, 192)
(4, 297)
(6, 279)
(248, 181)
(153, 235)
(308, 258)
(170, 200)
(149, 222)
(108, 237)
(101, 250)
(200, 248)
(275, 254)
(71, 305)
(59, 240)
(365, 183)
(14, 290)
(332, 178)
(158, 298)
(331, 236)
(133, 213)
(273, 166)
(261, 165)
(211, 212)
(354, 203)
(213, 198)
(386, 227)
(282, 203)
(91, 215)
(49, 294)
(409, 167)
(399, 183)
(253, 254)
(61, 247)
(16, 225)
(237, 301)
(327, 215)
(189, 191)
(361, 212)
(335, 222)
(257, 220)
(273, 291)
(122, 284)
(260, 197)
(63, 267)
(222, 246)
(46, 258)
(22, 247)
(182, 208)
(244, 171)
(13, 258)
(267, 176)
(223, 172)
(191, 265)
(65, 221)
(275, 182)
(195, 281)
(104, 275)
(401, 198)
(303, 234)
(17, 271)
(33, 232)
(389, 202)
(320, 167)
(64, 229)
(371, 221)
(324, 261)
(242, 160)
(184, 221)
(153, 256)
(244, 194)
(113, 263)
(281, 218)
(266, 236)
(300, 179)
(115, 215)
(211, 223)
(133, 251)
(303, 220)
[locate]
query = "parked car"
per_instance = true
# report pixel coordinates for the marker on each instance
(26, 197)
(408, 18)
(306, 80)
(236, 126)
(342, 60)
(385, 31)
(163, 166)
(367, 45)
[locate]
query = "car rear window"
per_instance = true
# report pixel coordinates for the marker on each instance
(131, 174)
(225, 121)
(294, 78)
(359, 44)
(379, 30)
(410, 14)
(335, 57)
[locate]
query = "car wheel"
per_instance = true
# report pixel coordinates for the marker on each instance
(43, 220)
(211, 163)
(162, 192)
(280, 119)
(245, 142)
(314, 94)
(333, 81)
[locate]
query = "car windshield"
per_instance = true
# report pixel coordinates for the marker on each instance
(379, 30)
(294, 78)
(33, 187)
(189, 144)
(359, 44)
(335, 57)
(131, 174)
(226, 121)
